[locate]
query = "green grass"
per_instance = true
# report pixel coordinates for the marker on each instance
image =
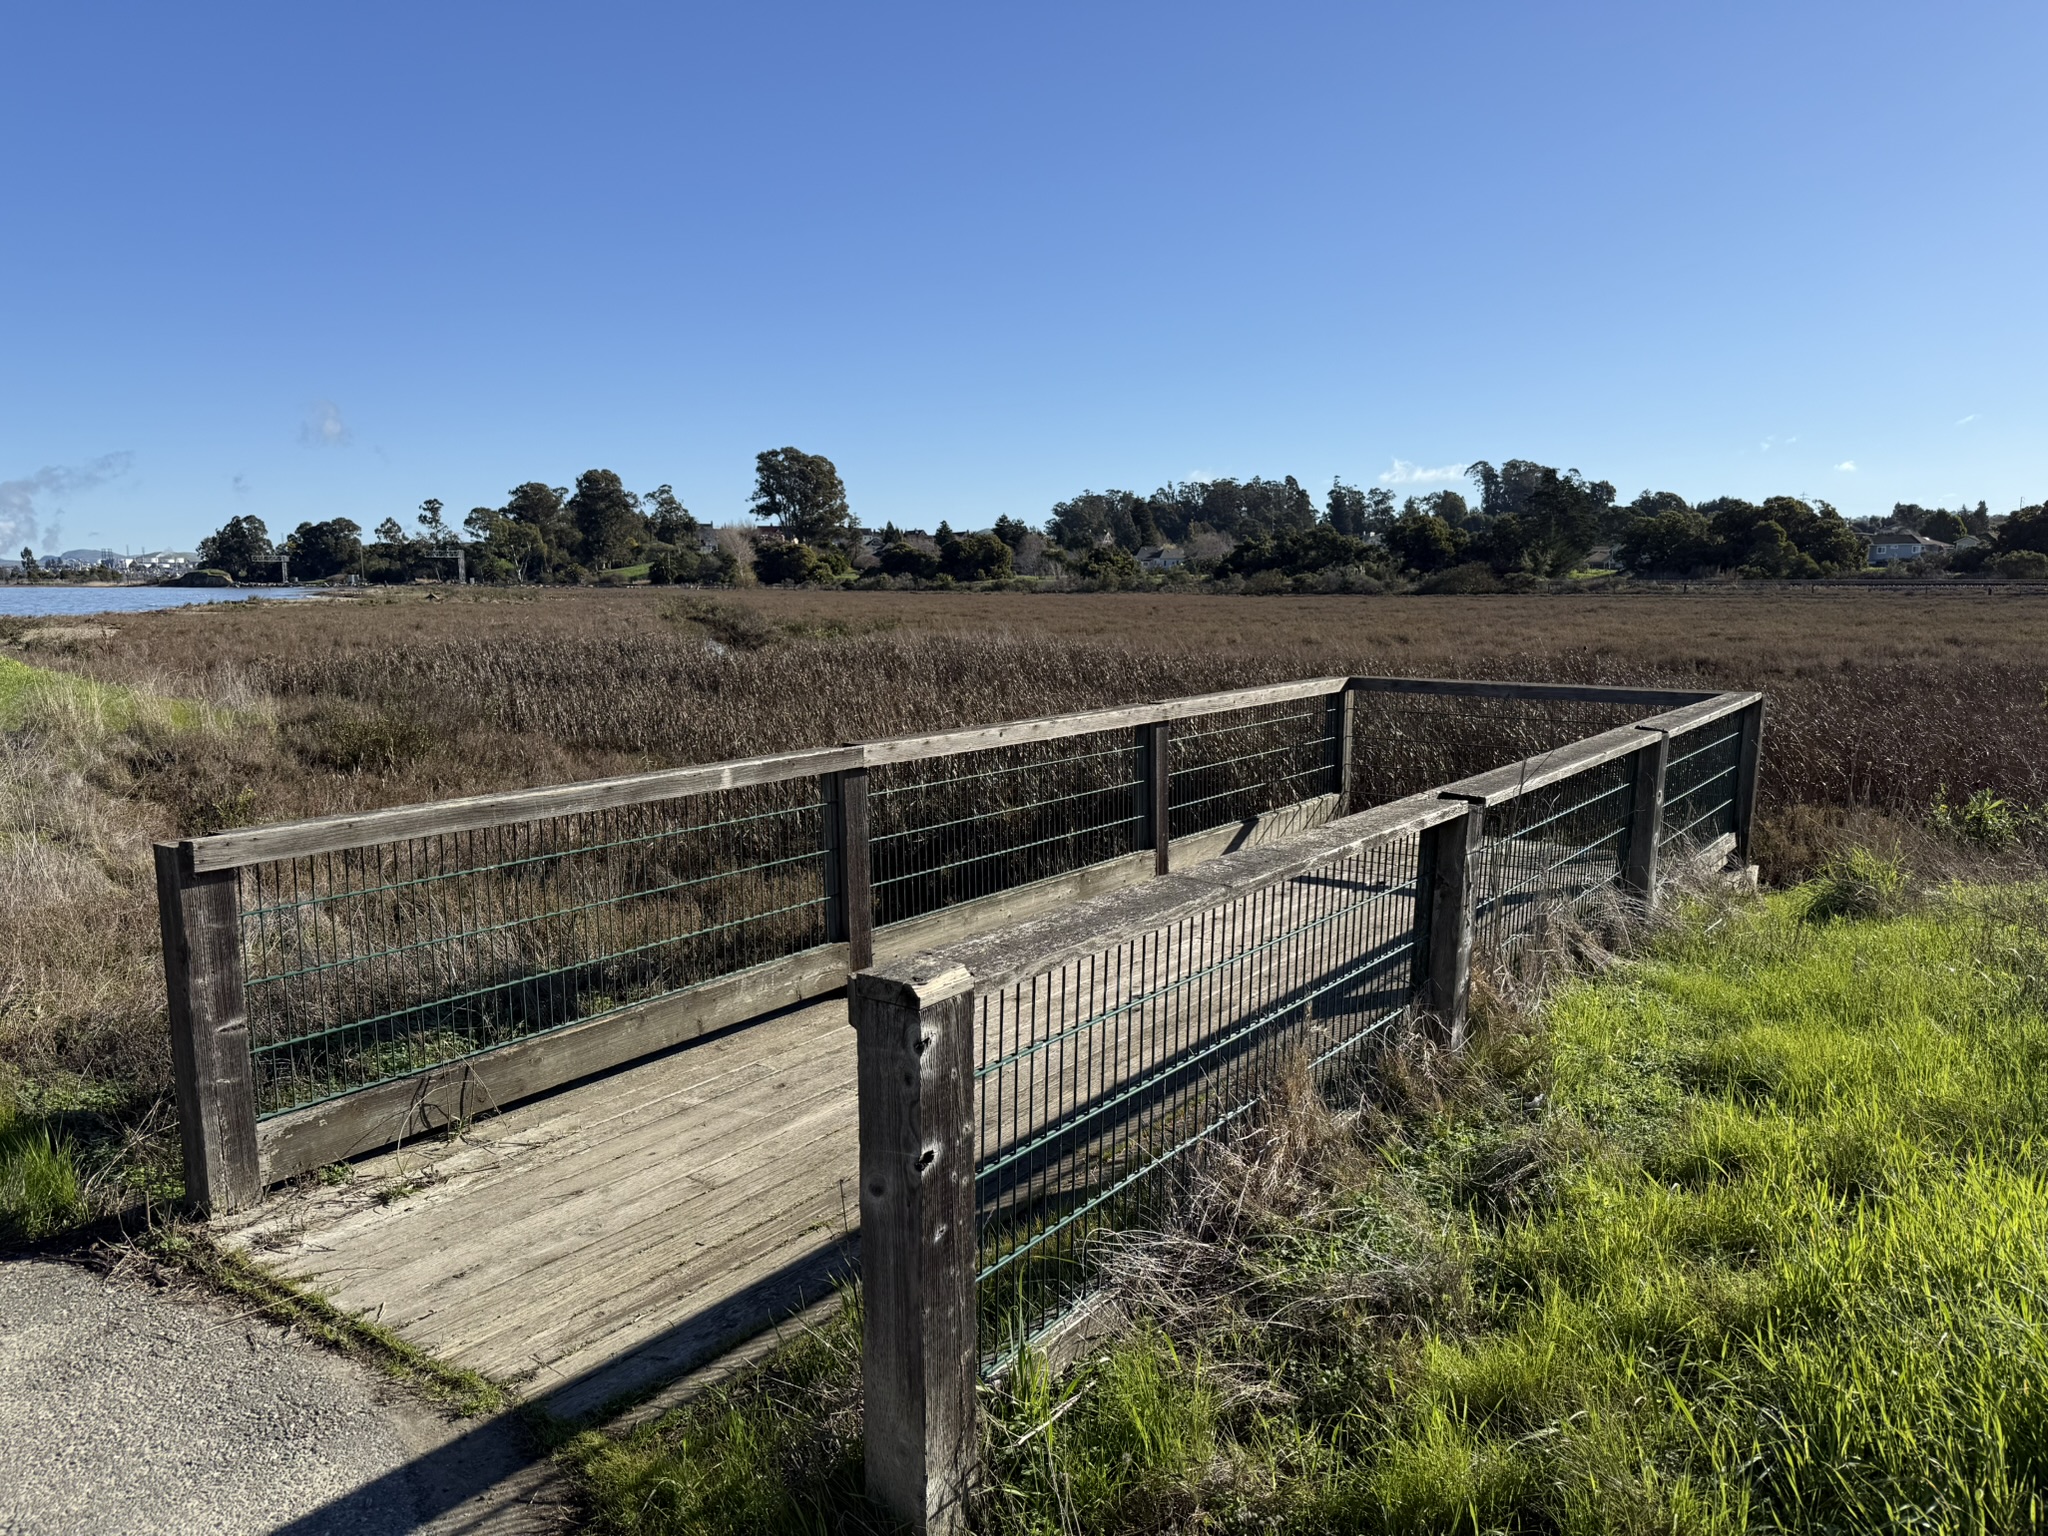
(35, 693)
(1749, 1235)
(777, 1452)
(40, 1194)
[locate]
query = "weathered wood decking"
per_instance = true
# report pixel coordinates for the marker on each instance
(607, 1237)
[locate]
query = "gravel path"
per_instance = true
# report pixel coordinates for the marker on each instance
(125, 1411)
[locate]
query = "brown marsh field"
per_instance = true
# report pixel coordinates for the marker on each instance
(116, 732)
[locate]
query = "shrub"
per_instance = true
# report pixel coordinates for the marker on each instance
(1984, 819)
(2022, 565)
(909, 560)
(1113, 569)
(1858, 883)
(799, 564)
(1469, 578)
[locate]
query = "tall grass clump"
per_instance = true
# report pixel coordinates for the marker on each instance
(39, 1184)
(1857, 882)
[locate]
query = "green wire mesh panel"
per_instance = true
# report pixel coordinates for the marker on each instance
(1553, 847)
(1407, 743)
(949, 829)
(1230, 767)
(1700, 770)
(1099, 1081)
(372, 963)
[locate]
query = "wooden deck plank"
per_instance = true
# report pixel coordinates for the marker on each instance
(547, 1138)
(541, 1210)
(636, 1184)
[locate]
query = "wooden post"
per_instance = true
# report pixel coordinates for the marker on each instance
(1646, 818)
(1747, 766)
(1155, 793)
(915, 1066)
(849, 881)
(201, 920)
(1342, 703)
(1443, 910)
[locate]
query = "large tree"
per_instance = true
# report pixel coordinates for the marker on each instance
(1781, 536)
(1424, 543)
(803, 494)
(2025, 529)
(1084, 521)
(1558, 517)
(1672, 542)
(607, 518)
(241, 547)
(667, 518)
(542, 537)
(325, 549)
(1355, 513)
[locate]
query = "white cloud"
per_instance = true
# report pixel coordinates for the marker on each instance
(1967, 419)
(19, 512)
(323, 427)
(1404, 473)
(1847, 464)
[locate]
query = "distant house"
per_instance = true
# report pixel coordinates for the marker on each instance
(1161, 557)
(1892, 546)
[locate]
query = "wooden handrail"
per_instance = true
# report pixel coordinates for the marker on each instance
(332, 834)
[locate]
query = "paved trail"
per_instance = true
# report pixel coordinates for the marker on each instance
(125, 1411)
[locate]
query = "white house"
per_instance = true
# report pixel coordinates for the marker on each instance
(1161, 557)
(1890, 546)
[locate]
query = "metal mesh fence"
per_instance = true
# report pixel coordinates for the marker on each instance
(1552, 847)
(1096, 1081)
(946, 830)
(372, 963)
(1406, 743)
(1227, 768)
(1700, 773)
(375, 962)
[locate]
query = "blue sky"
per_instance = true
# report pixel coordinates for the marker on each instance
(306, 262)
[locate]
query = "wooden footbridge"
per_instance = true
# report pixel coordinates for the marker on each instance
(558, 1084)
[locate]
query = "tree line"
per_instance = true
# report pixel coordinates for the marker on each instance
(1521, 522)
